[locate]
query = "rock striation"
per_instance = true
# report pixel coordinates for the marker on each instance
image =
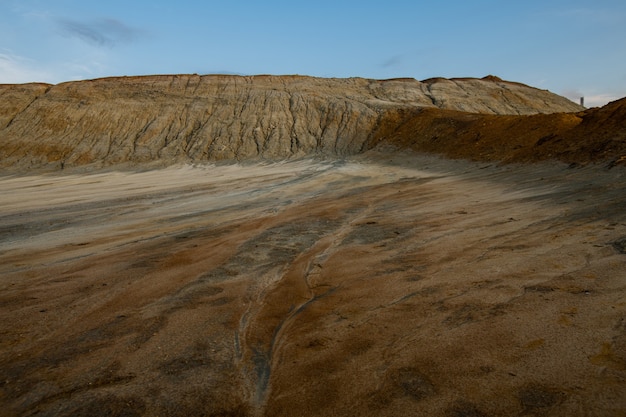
(172, 118)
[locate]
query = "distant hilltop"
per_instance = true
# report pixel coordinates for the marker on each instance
(173, 118)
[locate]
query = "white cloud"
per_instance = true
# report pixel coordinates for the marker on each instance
(594, 97)
(599, 100)
(15, 69)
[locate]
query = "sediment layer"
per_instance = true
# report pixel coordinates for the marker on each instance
(168, 119)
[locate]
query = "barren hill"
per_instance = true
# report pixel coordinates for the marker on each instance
(200, 118)
(373, 281)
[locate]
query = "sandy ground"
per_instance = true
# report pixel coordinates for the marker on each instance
(383, 285)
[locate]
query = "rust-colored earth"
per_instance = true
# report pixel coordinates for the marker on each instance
(386, 284)
(594, 135)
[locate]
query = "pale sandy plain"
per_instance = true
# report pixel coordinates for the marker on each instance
(380, 285)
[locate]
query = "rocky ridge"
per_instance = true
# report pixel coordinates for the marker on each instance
(173, 118)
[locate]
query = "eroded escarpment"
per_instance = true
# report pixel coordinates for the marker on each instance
(210, 118)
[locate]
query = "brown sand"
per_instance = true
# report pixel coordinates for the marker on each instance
(383, 285)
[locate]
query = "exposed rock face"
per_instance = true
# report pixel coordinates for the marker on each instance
(200, 118)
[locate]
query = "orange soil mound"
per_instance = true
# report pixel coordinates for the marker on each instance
(594, 135)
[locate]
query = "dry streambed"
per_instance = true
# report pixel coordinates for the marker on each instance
(380, 285)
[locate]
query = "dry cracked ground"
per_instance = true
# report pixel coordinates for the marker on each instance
(379, 285)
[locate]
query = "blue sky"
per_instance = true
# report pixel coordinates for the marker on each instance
(573, 48)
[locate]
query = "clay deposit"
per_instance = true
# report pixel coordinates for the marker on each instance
(357, 278)
(164, 119)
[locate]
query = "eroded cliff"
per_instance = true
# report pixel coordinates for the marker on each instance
(218, 117)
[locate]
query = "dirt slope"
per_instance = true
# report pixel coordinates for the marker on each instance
(167, 119)
(594, 135)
